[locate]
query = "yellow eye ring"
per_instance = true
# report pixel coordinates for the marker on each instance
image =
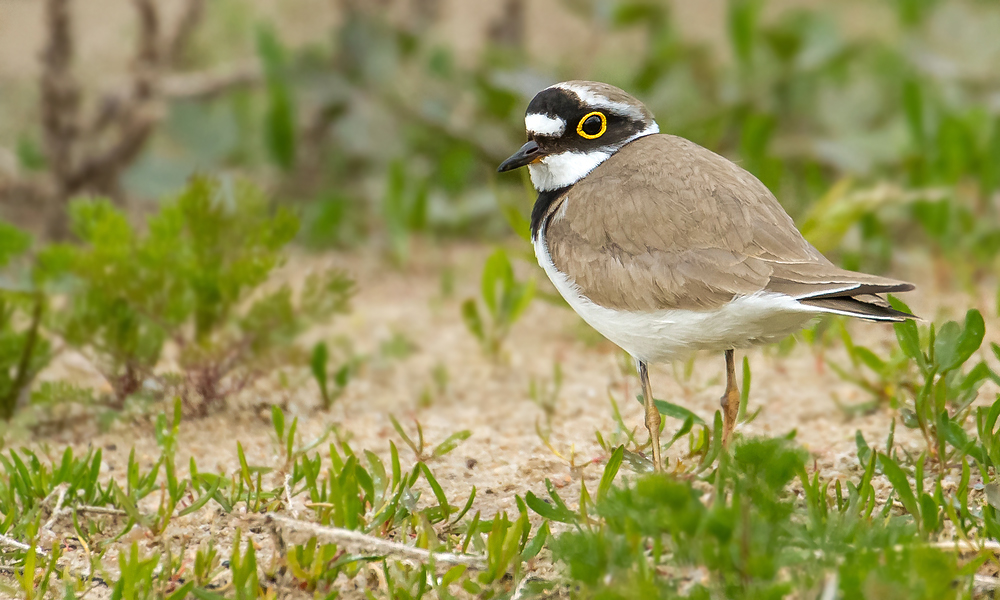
(584, 134)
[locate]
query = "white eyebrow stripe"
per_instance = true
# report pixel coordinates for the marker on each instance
(544, 125)
(591, 98)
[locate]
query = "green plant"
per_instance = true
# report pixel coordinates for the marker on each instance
(419, 447)
(987, 419)
(927, 379)
(137, 574)
(404, 210)
(318, 367)
(24, 351)
(279, 122)
(943, 402)
(13, 243)
(659, 536)
(317, 566)
(544, 393)
(376, 500)
(193, 279)
(505, 300)
(244, 569)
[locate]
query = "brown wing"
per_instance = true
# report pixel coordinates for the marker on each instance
(665, 223)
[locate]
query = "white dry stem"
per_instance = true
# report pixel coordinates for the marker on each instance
(830, 588)
(964, 546)
(101, 510)
(62, 488)
(288, 495)
(18, 545)
(348, 536)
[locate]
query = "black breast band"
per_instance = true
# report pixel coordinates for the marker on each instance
(541, 208)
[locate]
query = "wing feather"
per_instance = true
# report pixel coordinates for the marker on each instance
(667, 224)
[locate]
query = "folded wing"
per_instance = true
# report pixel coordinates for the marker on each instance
(667, 224)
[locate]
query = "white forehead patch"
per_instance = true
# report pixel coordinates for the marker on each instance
(544, 125)
(592, 98)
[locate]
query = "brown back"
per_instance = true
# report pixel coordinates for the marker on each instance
(666, 224)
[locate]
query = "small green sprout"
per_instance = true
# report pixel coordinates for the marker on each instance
(419, 447)
(341, 377)
(505, 300)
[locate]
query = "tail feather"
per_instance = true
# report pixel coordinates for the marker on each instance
(864, 306)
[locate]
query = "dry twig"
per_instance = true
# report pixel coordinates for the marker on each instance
(288, 495)
(101, 510)
(18, 545)
(390, 548)
(965, 546)
(62, 488)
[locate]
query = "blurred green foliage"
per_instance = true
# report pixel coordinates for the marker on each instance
(23, 351)
(384, 131)
(875, 123)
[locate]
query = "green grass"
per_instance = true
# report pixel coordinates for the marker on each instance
(756, 522)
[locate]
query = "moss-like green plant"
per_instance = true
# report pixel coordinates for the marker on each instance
(193, 278)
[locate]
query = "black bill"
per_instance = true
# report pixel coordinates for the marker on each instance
(528, 154)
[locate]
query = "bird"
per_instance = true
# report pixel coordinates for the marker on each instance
(667, 248)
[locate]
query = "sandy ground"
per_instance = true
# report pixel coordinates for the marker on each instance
(490, 398)
(504, 456)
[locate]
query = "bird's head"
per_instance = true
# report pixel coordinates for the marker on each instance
(573, 127)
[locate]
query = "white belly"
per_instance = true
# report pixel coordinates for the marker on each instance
(667, 335)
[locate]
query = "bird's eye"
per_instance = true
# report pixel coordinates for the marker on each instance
(592, 125)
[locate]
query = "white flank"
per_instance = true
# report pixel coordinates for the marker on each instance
(667, 335)
(544, 125)
(566, 168)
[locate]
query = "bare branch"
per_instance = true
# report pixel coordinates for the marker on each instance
(211, 83)
(288, 495)
(89, 155)
(186, 24)
(60, 92)
(136, 115)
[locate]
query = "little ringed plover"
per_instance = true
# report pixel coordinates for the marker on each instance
(665, 247)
